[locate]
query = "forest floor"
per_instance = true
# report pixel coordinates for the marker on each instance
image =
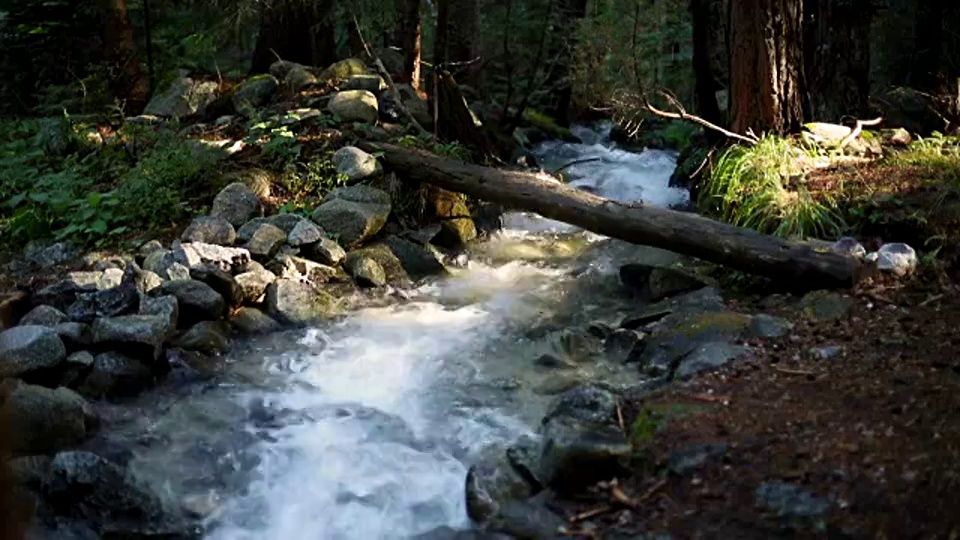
(864, 444)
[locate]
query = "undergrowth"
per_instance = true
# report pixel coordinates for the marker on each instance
(761, 187)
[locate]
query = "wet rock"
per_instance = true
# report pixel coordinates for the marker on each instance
(222, 282)
(826, 305)
(228, 259)
(210, 230)
(793, 504)
(299, 303)
(45, 421)
(704, 336)
(75, 368)
(826, 353)
(768, 326)
(365, 271)
(418, 260)
(657, 282)
(621, 344)
(139, 336)
(553, 361)
(86, 486)
(356, 164)
(165, 307)
(849, 246)
(355, 106)
(576, 454)
(254, 284)
(254, 93)
(265, 242)
(43, 316)
(198, 301)
(456, 223)
(588, 403)
(527, 520)
(353, 214)
(237, 204)
(491, 484)
(644, 317)
(114, 375)
(305, 232)
(693, 457)
(326, 251)
(27, 349)
(707, 357)
(898, 259)
(252, 321)
(207, 337)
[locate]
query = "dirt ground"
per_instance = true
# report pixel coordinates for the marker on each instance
(865, 444)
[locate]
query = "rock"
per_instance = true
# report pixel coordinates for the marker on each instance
(198, 301)
(99, 492)
(119, 300)
(576, 454)
(162, 306)
(281, 68)
(225, 258)
(45, 421)
(207, 337)
(365, 271)
(237, 204)
(326, 251)
(588, 403)
(154, 262)
(553, 361)
(448, 533)
(527, 520)
(27, 349)
(147, 249)
(177, 272)
(114, 375)
(826, 353)
(266, 241)
(305, 232)
(657, 282)
(353, 214)
(210, 230)
(299, 303)
(897, 258)
(254, 93)
(76, 367)
(451, 211)
(795, 505)
(64, 293)
(418, 260)
(693, 457)
(356, 164)
(913, 110)
(259, 181)
(43, 316)
(182, 98)
(344, 69)
(299, 78)
(29, 471)
(704, 336)
(826, 305)
(768, 326)
(13, 306)
(896, 137)
(355, 106)
(849, 246)
(394, 272)
(288, 266)
(248, 320)
(491, 484)
(110, 278)
(644, 317)
(52, 255)
(367, 81)
(254, 284)
(621, 343)
(222, 282)
(138, 336)
(706, 357)
(74, 335)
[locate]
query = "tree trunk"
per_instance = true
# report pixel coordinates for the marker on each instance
(766, 65)
(798, 265)
(301, 31)
(928, 40)
(837, 39)
(127, 81)
(408, 36)
(705, 15)
(455, 122)
(560, 59)
(458, 39)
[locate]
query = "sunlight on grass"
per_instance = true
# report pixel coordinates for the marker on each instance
(761, 187)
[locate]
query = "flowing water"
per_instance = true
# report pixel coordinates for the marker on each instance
(365, 428)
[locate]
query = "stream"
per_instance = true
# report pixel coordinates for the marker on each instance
(365, 428)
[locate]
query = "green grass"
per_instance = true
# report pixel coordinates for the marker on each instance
(937, 151)
(761, 187)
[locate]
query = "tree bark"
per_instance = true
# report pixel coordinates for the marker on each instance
(798, 265)
(301, 31)
(127, 81)
(837, 57)
(766, 65)
(705, 16)
(408, 36)
(458, 39)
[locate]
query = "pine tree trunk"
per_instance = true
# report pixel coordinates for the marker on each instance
(766, 65)
(127, 81)
(300, 31)
(408, 37)
(837, 39)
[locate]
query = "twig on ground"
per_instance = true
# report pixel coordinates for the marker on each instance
(930, 300)
(787, 371)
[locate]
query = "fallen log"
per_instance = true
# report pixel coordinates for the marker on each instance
(798, 265)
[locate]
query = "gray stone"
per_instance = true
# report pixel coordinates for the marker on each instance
(266, 241)
(45, 421)
(367, 81)
(254, 284)
(528, 520)
(207, 337)
(147, 249)
(29, 471)
(418, 260)
(114, 375)
(353, 214)
(355, 106)
(827, 352)
(43, 316)
(288, 266)
(657, 282)
(52, 255)
(228, 259)
(138, 336)
(768, 326)
(706, 357)
(356, 164)
(110, 278)
(182, 98)
(154, 262)
(161, 306)
(621, 343)
(76, 367)
(177, 272)
(74, 335)
(305, 232)
(343, 69)
(326, 251)
(219, 280)
(198, 301)
(897, 258)
(64, 292)
(118, 300)
(491, 484)
(587, 403)
(849, 246)
(210, 230)
(25, 349)
(255, 93)
(252, 321)
(237, 204)
(366, 271)
(826, 305)
(686, 333)
(299, 303)
(299, 78)
(147, 281)
(281, 68)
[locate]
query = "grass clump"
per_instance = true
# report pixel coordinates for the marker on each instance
(761, 187)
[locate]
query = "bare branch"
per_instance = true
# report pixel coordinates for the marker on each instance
(682, 114)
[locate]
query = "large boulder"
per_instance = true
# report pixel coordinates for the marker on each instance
(207, 337)
(299, 78)
(43, 316)
(198, 301)
(304, 233)
(418, 259)
(237, 204)
(182, 98)
(365, 270)
(491, 484)
(353, 213)
(298, 303)
(210, 230)
(27, 349)
(255, 92)
(343, 70)
(219, 280)
(355, 106)
(325, 251)
(689, 343)
(114, 375)
(45, 421)
(356, 164)
(138, 336)
(393, 270)
(248, 320)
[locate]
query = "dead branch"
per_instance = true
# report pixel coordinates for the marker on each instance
(682, 114)
(855, 132)
(574, 162)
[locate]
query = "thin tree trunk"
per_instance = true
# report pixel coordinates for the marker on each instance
(766, 65)
(128, 81)
(837, 57)
(704, 14)
(458, 39)
(408, 37)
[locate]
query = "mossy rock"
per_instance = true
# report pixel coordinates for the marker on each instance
(451, 211)
(549, 125)
(654, 417)
(344, 69)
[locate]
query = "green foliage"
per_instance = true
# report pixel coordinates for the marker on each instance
(761, 187)
(452, 150)
(303, 182)
(938, 151)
